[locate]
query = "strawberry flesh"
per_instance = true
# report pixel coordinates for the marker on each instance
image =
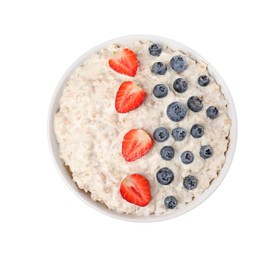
(135, 189)
(136, 143)
(129, 97)
(124, 62)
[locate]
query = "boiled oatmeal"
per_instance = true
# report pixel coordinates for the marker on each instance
(143, 128)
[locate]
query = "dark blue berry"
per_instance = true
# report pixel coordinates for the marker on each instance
(178, 63)
(161, 134)
(180, 85)
(159, 68)
(187, 157)
(170, 202)
(167, 153)
(203, 80)
(212, 112)
(195, 104)
(176, 111)
(197, 131)
(155, 49)
(190, 182)
(205, 151)
(179, 133)
(160, 91)
(165, 176)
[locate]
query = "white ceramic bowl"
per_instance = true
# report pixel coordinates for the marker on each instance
(54, 106)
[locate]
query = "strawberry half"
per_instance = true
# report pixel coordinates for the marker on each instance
(136, 143)
(135, 189)
(124, 62)
(129, 97)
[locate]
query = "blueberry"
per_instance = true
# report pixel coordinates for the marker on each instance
(155, 49)
(179, 133)
(176, 111)
(161, 134)
(187, 157)
(180, 85)
(170, 202)
(205, 151)
(190, 182)
(178, 63)
(165, 176)
(203, 80)
(167, 153)
(159, 68)
(195, 104)
(197, 131)
(212, 112)
(160, 91)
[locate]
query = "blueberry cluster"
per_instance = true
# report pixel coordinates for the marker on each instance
(167, 153)
(177, 111)
(178, 63)
(165, 176)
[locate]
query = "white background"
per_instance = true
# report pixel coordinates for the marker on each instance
(40, 218)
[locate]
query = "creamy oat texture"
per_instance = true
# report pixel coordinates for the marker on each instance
(89, 131)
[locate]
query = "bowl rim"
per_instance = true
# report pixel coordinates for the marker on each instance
(53, 145)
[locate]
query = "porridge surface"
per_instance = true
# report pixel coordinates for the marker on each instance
(89, 131)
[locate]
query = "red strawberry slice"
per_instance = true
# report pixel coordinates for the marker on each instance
(135, 189)
(129, 97)
(136, 143)
(124, 62)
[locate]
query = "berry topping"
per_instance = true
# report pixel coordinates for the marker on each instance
(160, 91)
(155, 49)
(165, 176)
(178, 63)
(195, 104)
(212, 112)
(180, 85)
(197, 131)
(187, 157)
(135, 189)
(129, 97)
(167, 153)
(161, 134)
(124, 62)
(159, 68)
(190, 182)
(179, 133)
(136, 143)
(203, 80)
(205, 151)
(176, 111)
(170, 202)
